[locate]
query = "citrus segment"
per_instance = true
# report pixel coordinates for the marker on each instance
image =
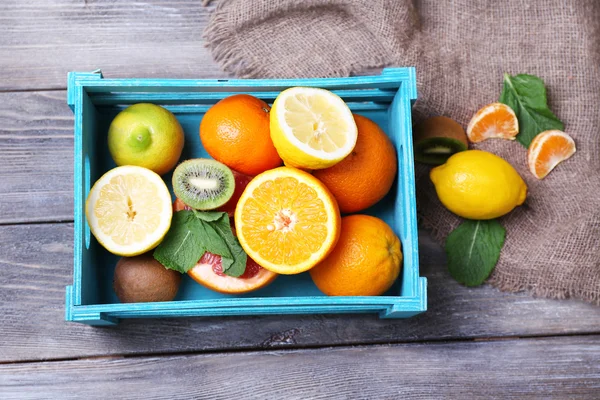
(287, 220)
(495, 120)
(547, 150)
(312, 128)
(129, 210)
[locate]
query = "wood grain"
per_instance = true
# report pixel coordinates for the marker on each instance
(517, 369)
(42, 40)
(36, 265)
(36, 153)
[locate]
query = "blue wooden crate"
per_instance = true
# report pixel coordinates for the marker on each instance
(387, 99)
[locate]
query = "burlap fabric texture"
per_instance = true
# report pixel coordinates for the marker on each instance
(460, 50)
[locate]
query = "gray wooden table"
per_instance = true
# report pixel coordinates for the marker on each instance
(472, 343)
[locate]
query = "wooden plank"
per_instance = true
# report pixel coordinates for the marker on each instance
(36, 265)
(41, 40)
(36, 148)
(556, 368)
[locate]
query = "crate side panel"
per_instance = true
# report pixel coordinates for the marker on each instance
(405, 204)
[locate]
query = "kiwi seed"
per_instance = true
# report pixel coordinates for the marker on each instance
(203, 184)
(143, 279)
(437, 138)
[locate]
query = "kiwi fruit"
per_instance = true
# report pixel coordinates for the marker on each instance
(203, 184)
(143, 279)
(437, 138)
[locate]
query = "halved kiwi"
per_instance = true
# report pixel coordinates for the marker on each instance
(203, 184)
(437, 138)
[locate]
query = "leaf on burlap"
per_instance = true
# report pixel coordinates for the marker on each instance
(526, 95)
(473, 249)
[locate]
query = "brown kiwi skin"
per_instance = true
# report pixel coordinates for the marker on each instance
(143, 279)
(440, 127)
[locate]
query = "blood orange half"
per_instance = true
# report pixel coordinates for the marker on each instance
(209, 273)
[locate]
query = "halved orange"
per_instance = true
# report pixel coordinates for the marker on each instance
(495, 120)
(209, 273)
(287, 220)
(547, 150)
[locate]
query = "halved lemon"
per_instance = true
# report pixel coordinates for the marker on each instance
(287, 221)
(312, 128)
(129, 210)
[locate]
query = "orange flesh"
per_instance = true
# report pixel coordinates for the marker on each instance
(493, 121)
(285, 221)
(547, 150)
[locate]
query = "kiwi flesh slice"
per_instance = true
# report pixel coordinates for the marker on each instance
(203, 184)
(437, 138)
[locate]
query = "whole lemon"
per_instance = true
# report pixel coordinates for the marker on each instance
(146, 135)
(476, 184)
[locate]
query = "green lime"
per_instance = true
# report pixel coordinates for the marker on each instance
(146, 135)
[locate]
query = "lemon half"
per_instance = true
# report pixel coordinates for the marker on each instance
(312, 128)
(129, 210)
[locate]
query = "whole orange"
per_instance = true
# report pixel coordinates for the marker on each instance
(365, 261)
(236, 132)
(366, 175)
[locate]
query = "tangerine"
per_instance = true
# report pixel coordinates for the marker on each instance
(366, 175)
(365, 262)
(235, 131)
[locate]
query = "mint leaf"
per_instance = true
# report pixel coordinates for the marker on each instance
(236, 265)
(209, 216)
(526, 95)
(192, 233)
(212, 241)
(183, 245)
(473, 249)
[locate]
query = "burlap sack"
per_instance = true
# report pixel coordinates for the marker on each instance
(461, 50)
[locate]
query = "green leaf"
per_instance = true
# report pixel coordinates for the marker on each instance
(192, 233)
(473, 249)
(236, 264)
(209, 216)
(526, 95)
(212, 241)
(183, 245)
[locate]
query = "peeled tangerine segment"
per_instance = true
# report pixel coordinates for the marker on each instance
(496, 120)
(287, 221)
(547, 150)
(129, 210)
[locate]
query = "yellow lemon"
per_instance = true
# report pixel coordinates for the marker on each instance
(129, 210)
(476, 184)
(146, 135)
(312, 128)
